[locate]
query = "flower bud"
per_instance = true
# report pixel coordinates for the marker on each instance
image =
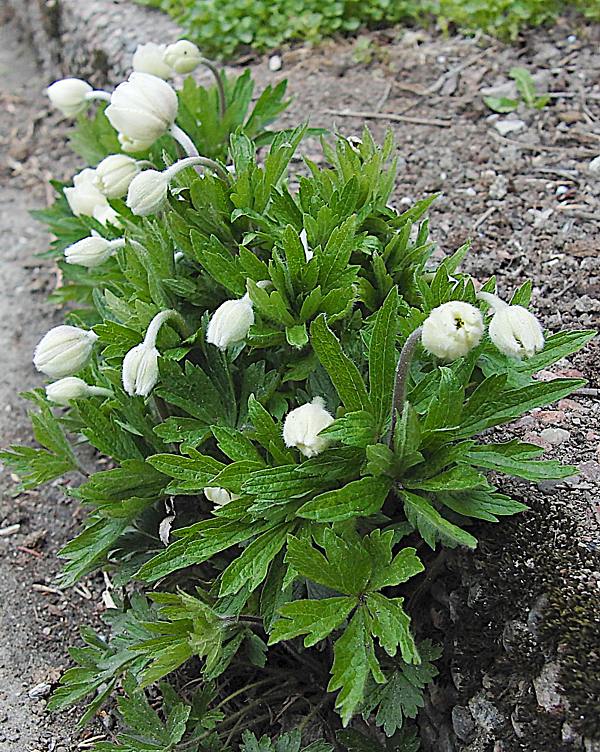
(83, 197)
(183, 56)
(142, 109)
(92, 251)
(140, 369)
(63, 351)
(70, 388)
(513, 329)
(308, 253)
(219, 496)
(114, 174)
(452, 330)
(134, 145)
(230, 323)
(148, 192)
(302, 426)
(69, 95)
(105, 214)
(149, 58)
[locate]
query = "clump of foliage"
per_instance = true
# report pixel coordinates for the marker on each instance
(224, 27)
(530, 97)
(278, 575)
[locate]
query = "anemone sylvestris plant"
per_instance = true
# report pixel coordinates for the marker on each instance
(290, 395)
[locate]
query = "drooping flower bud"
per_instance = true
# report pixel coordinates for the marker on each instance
(230, 323)
(183, 56)
(140, 369)
(69, 95)
(140, 365)
(64, 350)
(71, 387)
(514, 330)
(92, 251)
(84, 197)
(142, 109)
(148, 192)
(452, 330)
(114, 174)
(219, 496)
(303, 425)
(149, 58)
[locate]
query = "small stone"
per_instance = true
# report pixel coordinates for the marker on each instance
(275, 63)
(555, 435)
(485, 713)
(463, 723)
(499, 188)
(550, 416)
(594, 165)
(504, 127)
(40, 690)
(547, 689)
(590, 470)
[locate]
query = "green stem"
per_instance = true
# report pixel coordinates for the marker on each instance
(220, 88)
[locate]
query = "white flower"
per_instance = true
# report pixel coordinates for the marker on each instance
(230, 323)
(92, 251)
(452, 330)
(219, 496)
(133, 145)
(105, 214)
(140, 369)
(302, 426)
(69, 95)
(513, 329)
(148, 192)
(84, 197)
(64, 350)
(71, 387)
(183, 56)
(142, 109)
(149, 58)
(114, 174)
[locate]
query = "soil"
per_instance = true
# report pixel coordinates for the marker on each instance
(531, 205)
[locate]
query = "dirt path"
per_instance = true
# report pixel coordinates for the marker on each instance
(36, 624)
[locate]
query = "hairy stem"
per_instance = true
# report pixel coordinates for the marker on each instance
(402, 371)
(219, 81)
(183, 140)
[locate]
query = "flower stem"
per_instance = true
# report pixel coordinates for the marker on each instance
(159, 320)
(183, 140)
(402, 371)
(220, 88)
(182, 164)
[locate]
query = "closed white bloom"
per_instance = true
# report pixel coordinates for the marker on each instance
(140, 369)
(148, 192)
(142, 109)
(70, 388)
(513, 329)
(69, 95)
(64, 350)
(149, 58)
(183, 56)
(230, 323)
(452, 330)
(114, 174)
(92, 251)
(84, 197)
(308, 253)
(219, 496)
(303, 425)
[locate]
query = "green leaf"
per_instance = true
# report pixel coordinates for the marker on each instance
(501, 104)
(482, 505)
(458, 478)
(360, 498)
(250, 567)
(391, 625)
(353, 661)
(314, 618)
(516, 458)
(383, 358)
(353, 429)
(343, 373)
(432, 526)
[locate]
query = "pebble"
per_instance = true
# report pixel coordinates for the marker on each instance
(275, 63)
(594, 165)
(546, 687)
(555, 435)
(504, 127)
(590, 470)
(463, 723)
